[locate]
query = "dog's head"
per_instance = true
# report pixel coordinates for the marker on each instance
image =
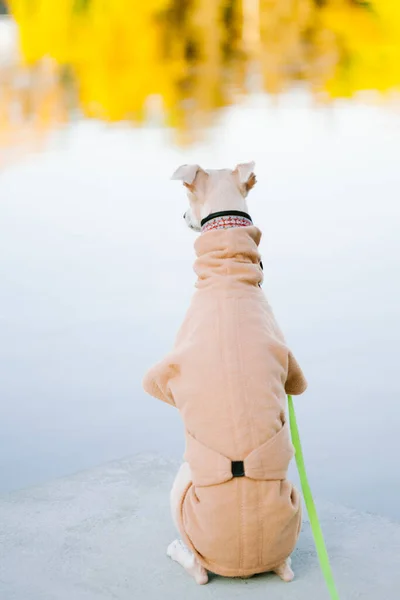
(211, 191)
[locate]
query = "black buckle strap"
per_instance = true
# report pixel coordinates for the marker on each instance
(238, 468)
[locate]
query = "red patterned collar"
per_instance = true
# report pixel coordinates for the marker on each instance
(226, 220)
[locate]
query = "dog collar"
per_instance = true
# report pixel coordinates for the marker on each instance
(225, 219)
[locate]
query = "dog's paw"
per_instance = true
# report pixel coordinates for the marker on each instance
(284, 571)
(182, 555)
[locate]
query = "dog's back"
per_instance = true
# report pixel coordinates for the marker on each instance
(227, 375)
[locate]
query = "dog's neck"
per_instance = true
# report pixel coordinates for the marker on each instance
(225, 220)
(228, 257)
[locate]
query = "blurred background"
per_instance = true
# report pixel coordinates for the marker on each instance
(100, 100)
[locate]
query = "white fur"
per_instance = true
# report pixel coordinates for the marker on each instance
(245, 170)
(186, 173)
(182, 555)
(214, 190)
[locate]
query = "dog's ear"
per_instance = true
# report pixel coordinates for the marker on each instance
(187, 174)
(245, 173)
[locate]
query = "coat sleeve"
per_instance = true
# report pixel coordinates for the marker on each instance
(295, 381)
(156, 382)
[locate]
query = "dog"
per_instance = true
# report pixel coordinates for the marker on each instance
(228, 374)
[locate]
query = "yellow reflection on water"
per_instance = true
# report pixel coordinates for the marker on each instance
(177, 61)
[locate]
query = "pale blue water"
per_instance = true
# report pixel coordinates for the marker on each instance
(96, 274)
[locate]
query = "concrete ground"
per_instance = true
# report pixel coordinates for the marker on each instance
(102, 534)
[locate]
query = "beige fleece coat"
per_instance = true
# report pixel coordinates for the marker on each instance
(228, 374)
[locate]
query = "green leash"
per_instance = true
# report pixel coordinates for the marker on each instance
(312, 511)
